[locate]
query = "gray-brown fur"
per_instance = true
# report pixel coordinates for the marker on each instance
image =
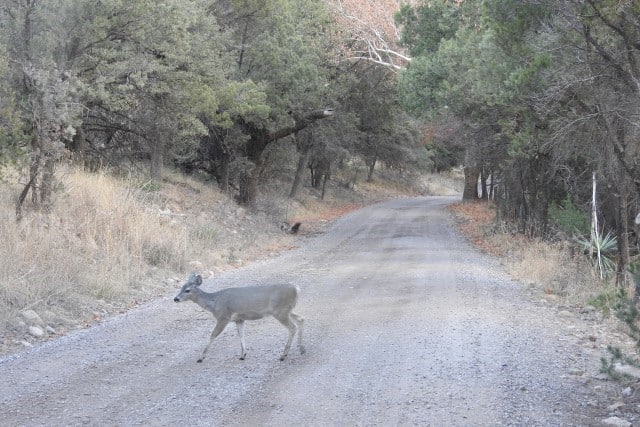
(246, 303)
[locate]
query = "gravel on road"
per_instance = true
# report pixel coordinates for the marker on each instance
(406, 324)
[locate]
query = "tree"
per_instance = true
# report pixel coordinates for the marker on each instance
(385, 133)
(146, 67)
(48, 107)
(470, 60)
(110, 80)
(12, 138)
(592, 97)
(279, 45)
(369, 31)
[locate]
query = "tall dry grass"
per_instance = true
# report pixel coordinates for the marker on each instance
(97, 243)
(557, 269)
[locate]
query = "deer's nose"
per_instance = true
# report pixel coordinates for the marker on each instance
(176, 299)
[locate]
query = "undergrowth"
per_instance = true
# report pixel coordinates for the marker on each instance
(95, 244)
(109, 242)
(555, 268)
(561, 270)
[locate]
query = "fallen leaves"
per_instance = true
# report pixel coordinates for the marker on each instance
(474, 220)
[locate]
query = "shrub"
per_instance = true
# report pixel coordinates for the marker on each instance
(569, 218)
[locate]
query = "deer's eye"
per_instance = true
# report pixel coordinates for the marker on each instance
(186, 291)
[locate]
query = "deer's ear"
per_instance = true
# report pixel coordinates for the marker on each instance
(198, 280)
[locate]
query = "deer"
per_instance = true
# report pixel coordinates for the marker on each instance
(246, 303)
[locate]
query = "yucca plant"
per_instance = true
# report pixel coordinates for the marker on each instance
(603, 248)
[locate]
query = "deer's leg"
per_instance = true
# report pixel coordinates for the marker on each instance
(288, 323)
(220, 325)
(299, 321)
(240, 327)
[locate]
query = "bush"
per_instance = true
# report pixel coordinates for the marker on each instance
(569, 218)
(627, 311)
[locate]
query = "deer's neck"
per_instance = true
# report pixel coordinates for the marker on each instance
(204, 299)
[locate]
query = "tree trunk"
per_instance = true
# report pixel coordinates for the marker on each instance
(46, 186)
(249, 183)
(483, 185)
(78, 147)
(471, 174)
(622, 232)
(34, 167)
(324, 186)
(260, 139)
(492, 185)
(303, 161)
(156, 161)
(254, 178)
(225, 166)
(25, 191)
(371, 167)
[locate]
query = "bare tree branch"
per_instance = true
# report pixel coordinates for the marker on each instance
(370, 32)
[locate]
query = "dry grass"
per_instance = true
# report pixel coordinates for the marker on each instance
(95, 244)
(555, 269)
(105, 245)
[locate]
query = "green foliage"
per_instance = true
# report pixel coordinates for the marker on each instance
(616, 356)
(205, 234)
(120, 82)
(151, 186)
(512, 21)
(427, 25)
(245, 100)
(283, 51)
(13, 141)
(603, 249)
(465, 71)
(569, 218)
(627, 311)
(605, 301)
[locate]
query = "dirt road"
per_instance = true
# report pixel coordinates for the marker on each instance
(406, 324)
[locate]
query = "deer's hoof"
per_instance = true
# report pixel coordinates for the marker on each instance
(199, 360)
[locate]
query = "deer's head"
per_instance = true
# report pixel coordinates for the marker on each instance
(186, 293)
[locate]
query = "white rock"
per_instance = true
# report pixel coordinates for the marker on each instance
(614, 406)
(627, 370)
(31, 317)
(36, 331)
(616, 421)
